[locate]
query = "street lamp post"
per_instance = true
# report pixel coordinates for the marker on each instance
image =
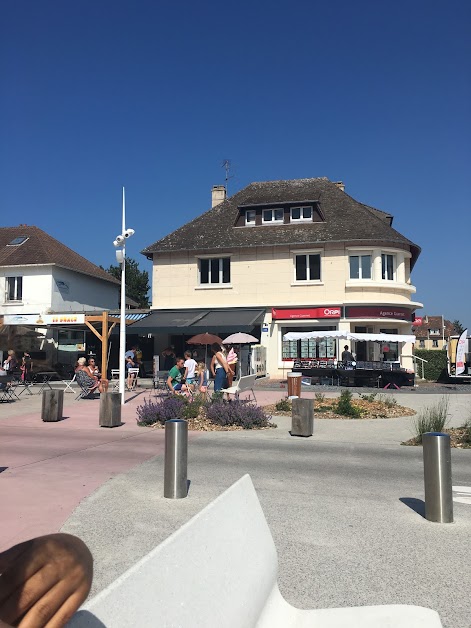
(120, 244)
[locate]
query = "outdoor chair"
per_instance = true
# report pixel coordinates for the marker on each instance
(160, 380)
(114, 380)
(244, 384)
(85, 382)
(134, 373)
(68, 384)
(5, 393)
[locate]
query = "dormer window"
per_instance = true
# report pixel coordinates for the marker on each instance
(273, 215)
(300, 214)
(250, 217)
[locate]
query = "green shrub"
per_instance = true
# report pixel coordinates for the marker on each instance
(283, 405)
(345, 407)
(371, 397)
(467, 431)
(431, 419)
(192, 408)
(388, 400)
(435, 367)
(320, 397)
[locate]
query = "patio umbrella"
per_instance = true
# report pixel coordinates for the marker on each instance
(204, 339)
(239, 339)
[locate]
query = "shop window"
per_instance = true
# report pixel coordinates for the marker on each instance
(388, 263)
(309, 349)
(272, 216)
(13, 289)
(299, 214)
(360, 266)
(215, 270)
(308, 267)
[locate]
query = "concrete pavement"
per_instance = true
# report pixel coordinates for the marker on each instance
(333, 502)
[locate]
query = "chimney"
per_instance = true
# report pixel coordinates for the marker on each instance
(340, 185)
(218, 195)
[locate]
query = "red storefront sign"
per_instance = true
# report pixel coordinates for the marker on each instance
(306, 313)
(398, 313)
(417, 322)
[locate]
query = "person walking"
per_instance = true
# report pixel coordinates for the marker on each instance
(26, 367)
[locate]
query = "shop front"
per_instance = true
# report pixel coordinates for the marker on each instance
(378, 334)
(386, 320)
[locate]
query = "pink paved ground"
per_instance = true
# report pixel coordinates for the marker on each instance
(51, 467)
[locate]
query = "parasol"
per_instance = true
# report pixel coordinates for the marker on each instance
(239, 339)
(204, 339)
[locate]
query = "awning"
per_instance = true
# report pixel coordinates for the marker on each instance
(196, 321)
(347, 335)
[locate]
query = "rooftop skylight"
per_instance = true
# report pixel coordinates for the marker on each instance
(17, 241)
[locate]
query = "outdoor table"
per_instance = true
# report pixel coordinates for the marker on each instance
(46, 377)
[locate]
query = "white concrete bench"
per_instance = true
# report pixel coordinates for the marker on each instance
(219, 570)
(243, 384)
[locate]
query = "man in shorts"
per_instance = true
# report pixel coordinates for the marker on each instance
(174, 379)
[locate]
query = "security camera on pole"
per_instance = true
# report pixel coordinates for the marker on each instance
(120, 244)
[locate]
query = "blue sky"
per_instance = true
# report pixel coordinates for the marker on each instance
(154, 95)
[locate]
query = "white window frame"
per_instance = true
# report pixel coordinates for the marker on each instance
(7, 289)
(421, 343)
(434, 332)
(360, 254)
(250, 223)
(273, 221)
(435, 343)
(301, 218)
(303, 282)
(394, 272)
(219, 283)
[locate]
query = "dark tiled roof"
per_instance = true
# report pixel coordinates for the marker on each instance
(43, 249)
(345, 220)
(434, 322)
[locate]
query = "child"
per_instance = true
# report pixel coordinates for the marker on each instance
(190, 367)
(201, 379)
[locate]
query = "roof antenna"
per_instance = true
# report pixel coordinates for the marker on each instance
(226, 164)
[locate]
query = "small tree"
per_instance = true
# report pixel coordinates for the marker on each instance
(137, 281)
(459, 328)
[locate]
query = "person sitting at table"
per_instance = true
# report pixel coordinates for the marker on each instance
(174, 379)
(94, 381)
(94, 371)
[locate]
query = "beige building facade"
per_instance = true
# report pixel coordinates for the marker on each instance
(303, 253)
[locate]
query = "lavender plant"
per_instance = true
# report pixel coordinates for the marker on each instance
(242, 413)
(151, 412)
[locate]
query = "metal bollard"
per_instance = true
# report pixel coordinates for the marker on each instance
(176, 459)
(437, 477)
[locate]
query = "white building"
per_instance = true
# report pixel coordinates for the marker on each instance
(283, 256)
(41, 276)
